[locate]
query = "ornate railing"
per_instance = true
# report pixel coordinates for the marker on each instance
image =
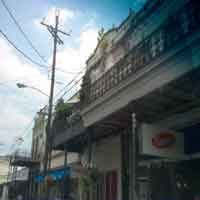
(59, 126)
(65, 130)
(171, 32)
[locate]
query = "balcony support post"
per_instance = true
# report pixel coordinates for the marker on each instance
(90, 146)
(66, 179)
(133, 161)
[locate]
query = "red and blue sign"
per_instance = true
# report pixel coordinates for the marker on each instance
(55, 174)
(164, 140)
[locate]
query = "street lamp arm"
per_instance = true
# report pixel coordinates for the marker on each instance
(34, 88)
(21, 85)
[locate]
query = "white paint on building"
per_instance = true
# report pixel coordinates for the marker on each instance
(106, 156)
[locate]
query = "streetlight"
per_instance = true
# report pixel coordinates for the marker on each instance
(22, 85)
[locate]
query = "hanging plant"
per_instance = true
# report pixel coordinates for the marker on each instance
(62, 110)
(89, 178)
(84, 183)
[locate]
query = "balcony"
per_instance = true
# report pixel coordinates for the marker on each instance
(176, 30)
(23, 159)
(66, 129)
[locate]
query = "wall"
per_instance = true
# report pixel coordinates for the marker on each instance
(106, 155)
(137, 34)
(4, 166)
(39, 138)
(58, 159)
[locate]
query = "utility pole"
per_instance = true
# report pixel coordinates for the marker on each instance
(49, 134)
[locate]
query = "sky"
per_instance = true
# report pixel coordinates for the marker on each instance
(83, 19)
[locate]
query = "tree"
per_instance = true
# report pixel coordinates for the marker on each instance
(62, 110)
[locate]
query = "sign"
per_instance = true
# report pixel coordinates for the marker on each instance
(22, 174)
(164, 140)
(158, 141)
(56, 174)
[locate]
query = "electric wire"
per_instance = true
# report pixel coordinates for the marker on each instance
(21, 52)
(25, 131)
(76, 82)
(68, 84)
(28, 57)
(22, 31)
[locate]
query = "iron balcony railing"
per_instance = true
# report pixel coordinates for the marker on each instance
(59, 126)
(66, 129)
(21, 155)
(171, 32)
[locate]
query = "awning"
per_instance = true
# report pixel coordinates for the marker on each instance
(55, 174)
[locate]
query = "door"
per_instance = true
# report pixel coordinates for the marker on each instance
(111, 185)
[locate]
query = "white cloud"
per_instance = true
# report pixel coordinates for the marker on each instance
(64, 15)
(20, 105)
(13, 68)
(74, 58)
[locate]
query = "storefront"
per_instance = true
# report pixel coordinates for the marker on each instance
(169, 163)
(57, 181)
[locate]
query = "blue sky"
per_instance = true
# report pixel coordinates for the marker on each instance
(83, 17)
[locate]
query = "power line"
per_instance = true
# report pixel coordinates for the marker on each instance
(22, 135)
(71, 87)
(66, 72)
(49, 134)
(21, 52)
(74, 78)
(27, 38)
(29, 58)
(68, 84)
(25, 131)
(22, 31)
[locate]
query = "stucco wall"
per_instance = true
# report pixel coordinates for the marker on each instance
(4, 167)
(106, 155)
(58, 160)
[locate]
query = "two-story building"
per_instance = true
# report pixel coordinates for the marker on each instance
(139, 107)
(59, 176)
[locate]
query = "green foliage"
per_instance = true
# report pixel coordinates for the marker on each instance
(89, 179)
(84, 183)
(62, 110)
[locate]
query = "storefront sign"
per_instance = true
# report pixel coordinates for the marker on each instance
(54, 174)
(164, 140)
(157, 141)
(22, 174)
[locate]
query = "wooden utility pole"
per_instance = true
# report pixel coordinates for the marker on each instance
(49, 133)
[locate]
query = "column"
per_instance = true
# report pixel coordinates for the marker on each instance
(65, 178)
(133, 160)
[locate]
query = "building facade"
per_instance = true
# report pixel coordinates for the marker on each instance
(138, 118)
(58, 176)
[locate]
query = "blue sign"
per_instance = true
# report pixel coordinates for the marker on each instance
(39, 179)
(55, 174)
